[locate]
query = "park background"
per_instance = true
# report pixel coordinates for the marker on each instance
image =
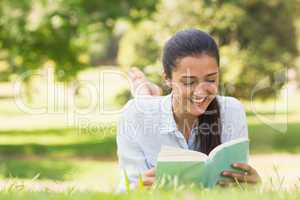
(63, 82)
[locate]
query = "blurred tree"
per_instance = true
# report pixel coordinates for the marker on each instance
(257, 39)
(297, 61)
(132, 47)
(60, 32)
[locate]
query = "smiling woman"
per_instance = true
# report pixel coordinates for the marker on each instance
(192, 117)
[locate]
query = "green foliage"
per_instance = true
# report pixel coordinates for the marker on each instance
(138, 47)
(32, 33)
(122, 97)
(257, 40)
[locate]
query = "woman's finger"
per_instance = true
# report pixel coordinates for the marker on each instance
(148, 181)
(244, 166)
(150, 173)
(241, 177)
(253, 176)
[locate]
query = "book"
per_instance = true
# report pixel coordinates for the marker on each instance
(196, 168)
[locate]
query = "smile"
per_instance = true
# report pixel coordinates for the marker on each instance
(198, 100)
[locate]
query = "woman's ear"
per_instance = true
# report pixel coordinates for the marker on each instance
(167, 80)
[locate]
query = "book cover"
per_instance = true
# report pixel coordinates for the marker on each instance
(192, 167)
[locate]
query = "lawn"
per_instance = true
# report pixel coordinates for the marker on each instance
(60, 160)
(244, 193)
(69, 142)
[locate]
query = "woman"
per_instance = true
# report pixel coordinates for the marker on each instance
(191, 117)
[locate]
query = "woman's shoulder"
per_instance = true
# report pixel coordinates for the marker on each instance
(231, 109)
(139, 114)
(230, 103)
(233, 117)
(144, 105)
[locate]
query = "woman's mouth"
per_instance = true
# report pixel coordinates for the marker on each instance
(198, 100)
(198, 104)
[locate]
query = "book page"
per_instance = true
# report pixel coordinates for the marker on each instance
(223, 158)
(168, 153)
(226, 144)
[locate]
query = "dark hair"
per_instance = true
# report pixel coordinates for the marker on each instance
(193, 42)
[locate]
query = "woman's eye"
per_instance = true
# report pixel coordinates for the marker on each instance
(211, 81)
(188, 83)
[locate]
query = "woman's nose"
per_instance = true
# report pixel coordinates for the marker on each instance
(200, 89)
(204, 89)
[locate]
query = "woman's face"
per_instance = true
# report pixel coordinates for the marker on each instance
(194, 84)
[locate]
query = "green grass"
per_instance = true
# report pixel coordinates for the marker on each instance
(54, 169)
(208, 194)
(265, 139)
(65, 155)
(82, 173)
(57, 170)
(58, 143)
(101, 144)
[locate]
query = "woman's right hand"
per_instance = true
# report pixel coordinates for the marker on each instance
(149, 177)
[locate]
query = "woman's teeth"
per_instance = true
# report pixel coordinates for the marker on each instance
(198, 100)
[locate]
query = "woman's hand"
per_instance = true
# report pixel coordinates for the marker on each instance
(141, 85)
(249, 175)
(149, 177)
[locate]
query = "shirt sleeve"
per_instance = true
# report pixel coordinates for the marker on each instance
(235, 121)
(130, 155)
(244, 126)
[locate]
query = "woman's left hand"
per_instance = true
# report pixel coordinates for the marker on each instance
(249, 175)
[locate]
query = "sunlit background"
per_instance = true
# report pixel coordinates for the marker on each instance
(63, 82)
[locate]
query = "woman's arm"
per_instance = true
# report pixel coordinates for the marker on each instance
(130, 155)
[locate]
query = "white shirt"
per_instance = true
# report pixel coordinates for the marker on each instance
(147, 123)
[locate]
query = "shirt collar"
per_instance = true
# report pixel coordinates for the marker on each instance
(168, 124)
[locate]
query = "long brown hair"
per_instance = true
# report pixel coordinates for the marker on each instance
(191, 42)
(209, 129)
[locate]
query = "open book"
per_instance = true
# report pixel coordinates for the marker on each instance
(192, 167)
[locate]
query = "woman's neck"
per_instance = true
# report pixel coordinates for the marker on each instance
(184, 121)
